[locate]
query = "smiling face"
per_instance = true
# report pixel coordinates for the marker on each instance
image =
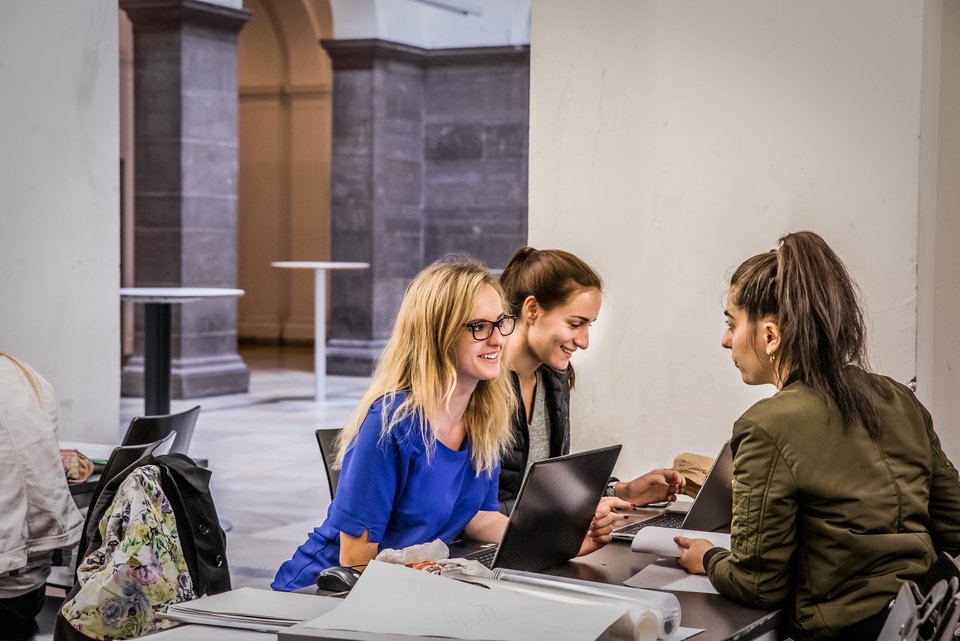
(480, 360)
(553, 336)
(750, 344)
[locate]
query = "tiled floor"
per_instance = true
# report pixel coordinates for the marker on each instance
(268, 480)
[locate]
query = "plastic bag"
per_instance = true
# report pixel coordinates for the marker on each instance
(433, 557)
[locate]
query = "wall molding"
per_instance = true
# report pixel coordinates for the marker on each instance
(357, 54)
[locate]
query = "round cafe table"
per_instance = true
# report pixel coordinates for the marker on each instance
(156, 340)
(320, 270)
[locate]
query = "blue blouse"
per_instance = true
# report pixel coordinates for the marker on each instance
(389, 488)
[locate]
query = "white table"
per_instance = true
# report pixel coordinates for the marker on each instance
(320, 270)
(156, 338)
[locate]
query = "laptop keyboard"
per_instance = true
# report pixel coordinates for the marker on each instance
(484, 556)
(667, 519)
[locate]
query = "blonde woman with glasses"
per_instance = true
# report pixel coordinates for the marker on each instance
(421, 454)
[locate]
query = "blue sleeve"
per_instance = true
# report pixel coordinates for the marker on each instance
(373, 476)
(492, 501)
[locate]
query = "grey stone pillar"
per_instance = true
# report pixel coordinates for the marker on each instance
(476, 117)
(185, 84)
(429, 157)
(376, 183)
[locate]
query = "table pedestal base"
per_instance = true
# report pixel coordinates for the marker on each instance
(348, 357)
(192, 377)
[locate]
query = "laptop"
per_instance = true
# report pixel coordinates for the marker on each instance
(711, 511)
(552, 513)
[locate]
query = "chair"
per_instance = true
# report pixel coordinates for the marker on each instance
(327, 439)
(149, 429)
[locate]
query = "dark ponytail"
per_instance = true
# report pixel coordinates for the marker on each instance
(807, 289)
(551, 276)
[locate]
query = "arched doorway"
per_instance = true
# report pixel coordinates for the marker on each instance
(284, 132)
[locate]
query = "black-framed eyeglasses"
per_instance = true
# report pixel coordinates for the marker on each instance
(483, 329)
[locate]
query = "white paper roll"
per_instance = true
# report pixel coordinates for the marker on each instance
(650, 615)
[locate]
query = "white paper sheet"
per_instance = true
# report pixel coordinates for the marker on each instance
(667, 574)
(659, 540)
(406, 601)
(686, 633)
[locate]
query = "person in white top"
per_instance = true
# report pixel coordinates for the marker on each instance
(37, 514)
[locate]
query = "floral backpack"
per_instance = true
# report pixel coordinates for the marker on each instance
(139, 561)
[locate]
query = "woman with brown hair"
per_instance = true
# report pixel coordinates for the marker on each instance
(555, 297)
(841, 489)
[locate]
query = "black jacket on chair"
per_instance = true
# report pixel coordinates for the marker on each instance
(187, 486)
(514, 463)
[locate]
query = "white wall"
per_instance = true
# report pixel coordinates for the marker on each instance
(427, 24)
(938, 315)
(59, 212)
(670, 140)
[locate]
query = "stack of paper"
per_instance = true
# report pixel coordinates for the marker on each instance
(252, 609)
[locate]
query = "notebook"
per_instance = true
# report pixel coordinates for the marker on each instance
(712, 510)
(552, 513)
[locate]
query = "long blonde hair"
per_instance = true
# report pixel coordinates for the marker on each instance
(419, 361)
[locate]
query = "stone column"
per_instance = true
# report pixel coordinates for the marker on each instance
(429, 157)
(476, 117)
(376, 184)
(185, 84)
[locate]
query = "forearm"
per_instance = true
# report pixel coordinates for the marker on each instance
(655, 486)
(357, 551)
(486, 527)
(757, 569)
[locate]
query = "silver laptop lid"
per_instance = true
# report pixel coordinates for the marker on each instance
(712, 511)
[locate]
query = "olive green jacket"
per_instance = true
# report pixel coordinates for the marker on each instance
(827, 521)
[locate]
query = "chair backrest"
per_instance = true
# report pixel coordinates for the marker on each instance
(149, 429)
(327, 440)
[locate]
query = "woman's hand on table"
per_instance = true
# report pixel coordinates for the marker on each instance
(693, 551)
(600, 528)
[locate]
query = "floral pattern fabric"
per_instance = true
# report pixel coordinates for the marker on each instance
(138, 571)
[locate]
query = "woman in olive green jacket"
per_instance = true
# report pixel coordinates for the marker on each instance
(841, 489)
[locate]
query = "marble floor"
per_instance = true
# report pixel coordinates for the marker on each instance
(268, 479)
